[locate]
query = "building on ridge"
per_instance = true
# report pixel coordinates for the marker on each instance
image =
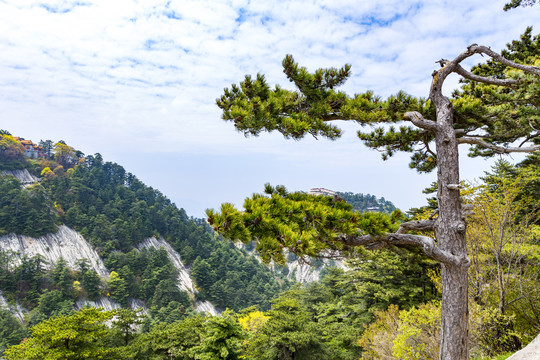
(322, 191)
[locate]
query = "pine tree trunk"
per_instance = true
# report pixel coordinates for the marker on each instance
(450, 235)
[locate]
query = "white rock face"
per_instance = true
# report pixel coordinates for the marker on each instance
(184, 278)
(17, 310)
(305, 273)
(103, 302)
(207, 307)
(66, 243)
(72, 246)
(529, 352)
(23, 175)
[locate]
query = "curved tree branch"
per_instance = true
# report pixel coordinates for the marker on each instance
(418, 225)
(375, 242)
(478, 49)
(453, 66)
(417, 119)
(486, 80)
(497, 149)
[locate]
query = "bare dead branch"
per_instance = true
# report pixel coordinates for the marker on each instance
(486, 80)
(498, 149)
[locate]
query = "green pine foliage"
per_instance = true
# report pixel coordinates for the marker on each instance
(11, 331)
(516, 3)
(301, 223)
(115, 211)
(230, 280)
(80, 335)
(148, 275)
(27, 211)
(514, 111)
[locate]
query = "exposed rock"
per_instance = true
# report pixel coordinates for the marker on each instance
(23, 175)
(72, 246)
(207, 307)
(184, 278)
(103, 302)
(66, 243)
(305, 273)
(301, 270)
(529, 352)
(17, 310)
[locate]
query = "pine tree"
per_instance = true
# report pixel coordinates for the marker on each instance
(310, 225)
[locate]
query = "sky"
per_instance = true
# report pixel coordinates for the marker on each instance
(137, 82)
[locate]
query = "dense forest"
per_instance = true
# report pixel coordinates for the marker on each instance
(385, 304)
(115, 211)
(367, 202)
(320, 320)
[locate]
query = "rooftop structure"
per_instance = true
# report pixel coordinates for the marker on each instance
(322, 191)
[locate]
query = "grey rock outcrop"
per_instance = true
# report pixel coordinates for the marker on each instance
(206, 307)
(103, 302)
(184, 278)
(529, 352)
(304, 272)
(72, 246)
(66, 243)
(23, 175)
(17, 310)
(299, 271)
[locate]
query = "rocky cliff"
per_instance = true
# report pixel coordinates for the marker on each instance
(299, 271)
(66, 243)
(23, 175)
(184, 279)
(530, 352)
(72, 246)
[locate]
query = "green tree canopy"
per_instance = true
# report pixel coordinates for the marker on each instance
(504, 121)
(516, 3)
(78, 336)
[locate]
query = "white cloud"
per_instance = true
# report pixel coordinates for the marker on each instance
(144, 75)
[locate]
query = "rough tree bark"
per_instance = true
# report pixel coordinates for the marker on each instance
(252, 109)
(450, 226)
(450, 232)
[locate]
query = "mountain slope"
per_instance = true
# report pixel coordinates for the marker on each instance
(146, 246)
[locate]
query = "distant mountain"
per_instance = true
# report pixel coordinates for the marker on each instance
(367, 202)
(76, 229)
(360, 202)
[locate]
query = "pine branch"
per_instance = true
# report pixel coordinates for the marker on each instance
(417, 225)
(376, 242)
(497, 149)
(477, 49)
(486, 80)
(417, 119)
(449, 67)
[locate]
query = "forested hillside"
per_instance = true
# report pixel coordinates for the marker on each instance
(367, 202)
(115, 212)
(386, 304)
